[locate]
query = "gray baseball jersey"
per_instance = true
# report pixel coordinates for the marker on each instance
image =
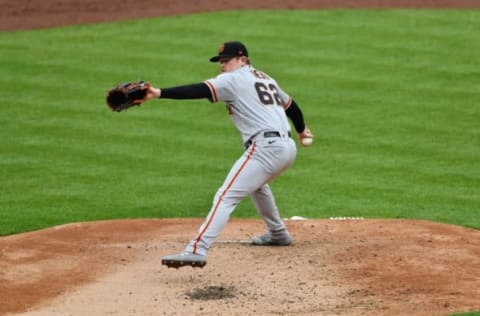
(257, 107)
(254, 100)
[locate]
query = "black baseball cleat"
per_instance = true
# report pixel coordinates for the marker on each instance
(185, 259)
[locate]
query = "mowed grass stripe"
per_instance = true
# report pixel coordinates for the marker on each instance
(419, 92)
(390, 95)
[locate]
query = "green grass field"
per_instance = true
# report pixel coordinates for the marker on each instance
(392, 97)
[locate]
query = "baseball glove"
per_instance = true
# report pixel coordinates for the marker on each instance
(126, 95)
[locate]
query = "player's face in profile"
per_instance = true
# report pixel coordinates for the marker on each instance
(230, 64)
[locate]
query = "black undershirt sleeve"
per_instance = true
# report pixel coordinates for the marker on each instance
(191, 91)
(295, 114)
(201, 90)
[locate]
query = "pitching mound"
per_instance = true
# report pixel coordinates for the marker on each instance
(360, 267)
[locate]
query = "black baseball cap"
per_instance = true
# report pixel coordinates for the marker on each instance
(230, 50)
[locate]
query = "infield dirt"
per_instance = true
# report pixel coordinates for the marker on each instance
(335, 267)
(27, 14)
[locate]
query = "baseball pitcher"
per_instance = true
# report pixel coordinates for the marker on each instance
(259, 108)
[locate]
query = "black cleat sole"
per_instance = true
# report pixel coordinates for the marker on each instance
(178, 264)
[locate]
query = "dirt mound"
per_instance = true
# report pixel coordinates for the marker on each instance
(343, 267)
